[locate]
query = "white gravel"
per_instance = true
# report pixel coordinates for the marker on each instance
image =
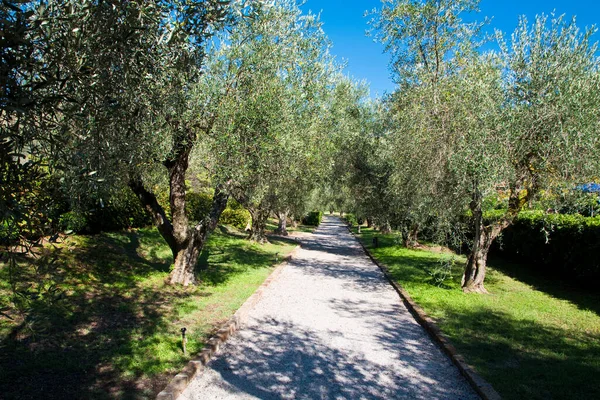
(330, 327)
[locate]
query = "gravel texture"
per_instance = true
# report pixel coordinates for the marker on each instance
(330, 327)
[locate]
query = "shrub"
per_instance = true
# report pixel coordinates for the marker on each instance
(351, 219)
(197, 205)
(73, 221)
(122, 210)
(565, 244)
(313, 218)
(236, 216)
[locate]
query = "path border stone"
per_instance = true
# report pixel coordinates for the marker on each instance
(196, 366)
(480, 385)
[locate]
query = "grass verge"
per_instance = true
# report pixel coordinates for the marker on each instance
(531, 337)
(99, 322)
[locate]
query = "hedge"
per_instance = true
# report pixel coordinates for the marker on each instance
(565, 244)
(313, 218)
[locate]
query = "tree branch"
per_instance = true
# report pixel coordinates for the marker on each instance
(156, 211)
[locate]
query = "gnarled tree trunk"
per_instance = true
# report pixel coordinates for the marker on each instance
(259, 222)
(475, 270)
(282, 225)
(522, 191)
(472, 280)
(185, 242)
(386, 228)
(410, 236)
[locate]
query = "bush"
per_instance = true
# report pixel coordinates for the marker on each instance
(197, 205)
(565, 244)
(235, 215)
(313, 218)
(351, 219)
(122, 210)
(73, 221)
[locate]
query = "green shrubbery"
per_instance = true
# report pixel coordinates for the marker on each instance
(568, 244)
(122, 210)
(235, 215)
(197, 205)
(350, 219)
(313, 218)
(73, 221)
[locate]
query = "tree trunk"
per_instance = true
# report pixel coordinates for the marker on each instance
(386, 228)
(411, 236)
(184, 264)
(259, 222)
(475, 270)
(185, 242)
(293, 221)
(282, 226)
(369, 222)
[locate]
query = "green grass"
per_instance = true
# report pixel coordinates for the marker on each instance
(112, 328)
(531, 337)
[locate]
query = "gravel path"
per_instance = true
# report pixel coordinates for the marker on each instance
(330, 327)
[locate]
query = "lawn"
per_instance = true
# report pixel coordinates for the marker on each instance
(99, 322)
(531, 337)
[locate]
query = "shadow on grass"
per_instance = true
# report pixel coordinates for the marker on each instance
(521, 357)
(583, 298)
(524, 359)
(224, 258)
(105, 338)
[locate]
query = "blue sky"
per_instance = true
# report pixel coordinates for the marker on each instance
(345, 25)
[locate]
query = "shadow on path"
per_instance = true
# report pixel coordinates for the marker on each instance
(331, 327)
(284, 361)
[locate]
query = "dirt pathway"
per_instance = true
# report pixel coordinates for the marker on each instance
(330, 327)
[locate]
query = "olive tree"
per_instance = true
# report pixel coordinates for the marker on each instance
(120, 79)
(265, 135)
(547, 129)
(429, 45)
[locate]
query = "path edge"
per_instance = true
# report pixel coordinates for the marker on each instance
(196, 366)
(480, 385)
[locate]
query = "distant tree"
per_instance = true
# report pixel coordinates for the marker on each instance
(265, 138)
(429, 44)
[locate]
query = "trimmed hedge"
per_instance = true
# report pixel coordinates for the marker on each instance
(565, 244)
(313, 218)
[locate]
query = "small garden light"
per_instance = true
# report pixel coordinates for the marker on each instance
(183, 340)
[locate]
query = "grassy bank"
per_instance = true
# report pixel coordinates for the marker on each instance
(98, 321)
(530, 337)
